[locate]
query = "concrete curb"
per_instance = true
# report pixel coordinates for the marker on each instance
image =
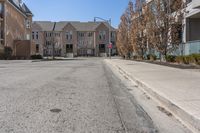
(184, 117)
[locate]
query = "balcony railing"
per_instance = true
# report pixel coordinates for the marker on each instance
(196, 4)
(192, 47)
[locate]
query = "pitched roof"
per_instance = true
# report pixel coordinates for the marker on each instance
(60, 25)
(79, 26)
(26, 9)
(85, 26)
(21, 7)
(45, 25)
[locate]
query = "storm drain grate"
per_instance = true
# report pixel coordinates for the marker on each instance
(55, 110)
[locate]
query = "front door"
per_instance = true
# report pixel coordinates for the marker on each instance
(102, 48)
(69, 48)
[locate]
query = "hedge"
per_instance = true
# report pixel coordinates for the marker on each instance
(170, 58)
(34, 57)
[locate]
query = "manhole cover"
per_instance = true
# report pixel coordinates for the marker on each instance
(55, 110)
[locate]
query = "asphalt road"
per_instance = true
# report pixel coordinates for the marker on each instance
(77, 96)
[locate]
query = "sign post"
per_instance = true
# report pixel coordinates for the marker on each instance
(110, 47)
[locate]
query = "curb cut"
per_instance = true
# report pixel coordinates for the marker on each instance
(185, 118)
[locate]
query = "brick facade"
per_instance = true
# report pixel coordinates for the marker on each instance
(74, 38)
(15, 23)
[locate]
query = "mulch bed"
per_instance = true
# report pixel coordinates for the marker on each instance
(174, 65)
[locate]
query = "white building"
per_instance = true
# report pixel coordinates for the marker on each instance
(191, 28)
(191, 32)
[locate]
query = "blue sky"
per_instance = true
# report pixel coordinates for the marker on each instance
(77, 10)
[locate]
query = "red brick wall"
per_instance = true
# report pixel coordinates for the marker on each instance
(23, 48)
(15, 25)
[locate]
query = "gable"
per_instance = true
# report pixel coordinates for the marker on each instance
(102, 26)
(69, 26)
(36, 27)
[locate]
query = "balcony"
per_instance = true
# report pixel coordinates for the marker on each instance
(193, 9)
(192, 47)
(196, 4)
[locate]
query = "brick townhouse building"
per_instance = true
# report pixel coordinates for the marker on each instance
(15, 27)
(73, 38)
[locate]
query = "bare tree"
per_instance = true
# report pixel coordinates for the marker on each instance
(122, 37)
(165, 24)
(124, 34)
(138, 29)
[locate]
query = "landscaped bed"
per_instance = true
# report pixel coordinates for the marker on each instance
(182, 62)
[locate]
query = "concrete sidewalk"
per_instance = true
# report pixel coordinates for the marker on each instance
(178, 90)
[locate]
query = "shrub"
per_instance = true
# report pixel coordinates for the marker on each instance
(179, 59)
(148, 57)
(189, 59)
(135, 57)
(34, 57)
(6, 54)
(170, 58)
(186, 59)
(196, 58)
(151, 57)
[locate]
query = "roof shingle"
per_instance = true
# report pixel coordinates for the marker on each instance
(23, 8)
(79, 26)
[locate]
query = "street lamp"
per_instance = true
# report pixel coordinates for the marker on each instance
(53, 40)
(109, 32)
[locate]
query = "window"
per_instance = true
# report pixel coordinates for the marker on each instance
(37, 35)
(33, 35)
(48, 34)
(112, 35)
(28, 23)
(69, 35)
(81, 34)
(48, 43)
(102, 35)
(90, 34)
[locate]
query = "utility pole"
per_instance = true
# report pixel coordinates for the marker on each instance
(53, 40)
(110, 47)
(109, 32)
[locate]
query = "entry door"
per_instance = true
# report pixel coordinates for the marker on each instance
(102, 48)
(69, 48)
